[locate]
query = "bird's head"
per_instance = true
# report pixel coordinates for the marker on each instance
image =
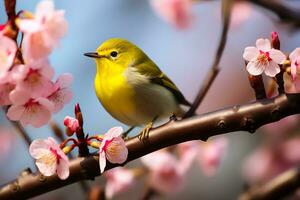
(117, 52)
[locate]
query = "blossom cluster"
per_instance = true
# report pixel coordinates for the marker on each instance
(26, 84)
(267, 59)
(166, 173)
(51, 157)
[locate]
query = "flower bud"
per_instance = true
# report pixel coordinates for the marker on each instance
(275, 40)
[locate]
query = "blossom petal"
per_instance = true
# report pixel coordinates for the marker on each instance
(295, 55)
(272, 69)
(15, 113)
(44, 8)
(117, 151)
(263, 44)
(65, 80)
(28, 25)
(250, 53)
(102, 161)
(19, 97)
(277, 56)
(114, 132)
(45, 168)
(38, 147)
(255, 68)
(63, 171)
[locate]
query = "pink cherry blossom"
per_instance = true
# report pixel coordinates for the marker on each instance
(71, 123)
(295, 62)
(50, 159)
(8, 49)
(241, 12)
(34, 77)
(43, 31)
(61, 94)
(112, 148)
(166, 176)
(118, 180)
(263, 58)
(27, 110)
(211, 154)
(278, 131)
(175, 12)
(270, 160)
(188, 151)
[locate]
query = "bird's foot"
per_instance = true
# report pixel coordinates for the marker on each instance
(144, 135)
(173, 118)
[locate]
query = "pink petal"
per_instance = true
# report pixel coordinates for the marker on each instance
(34, 47)
(29, 26)
(118, 180)
(102, 161)
(15, 113)
(113, 132)
(65, 80)
(277, 56)
(44, 9)
(294, 71)
(38, 148)
(295, 55)
(59, 98)
(263, 44)
(63, 171)
(272, 69)
(255, 68)
(46, 169)
(19, 97)
(117, 151)
(250, 53)
(240, 13)
(176, 12)
(38, 114)
(8, 50)
(187, 154)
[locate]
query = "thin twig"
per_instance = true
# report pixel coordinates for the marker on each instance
(214, 69)
(278, 188)
(247, 117)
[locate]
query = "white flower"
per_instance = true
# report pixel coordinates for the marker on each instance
(263, 58)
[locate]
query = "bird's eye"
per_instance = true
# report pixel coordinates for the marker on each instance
(114, 54)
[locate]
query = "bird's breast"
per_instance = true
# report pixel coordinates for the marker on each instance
(132, 99)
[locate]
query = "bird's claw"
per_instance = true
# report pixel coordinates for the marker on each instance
(144, 135)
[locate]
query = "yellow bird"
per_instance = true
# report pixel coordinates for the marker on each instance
(131, 87)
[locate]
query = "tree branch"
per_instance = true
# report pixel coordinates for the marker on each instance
(285, 13)
(247, 117)
(281, 186)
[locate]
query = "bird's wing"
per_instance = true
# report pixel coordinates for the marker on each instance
(158, 77)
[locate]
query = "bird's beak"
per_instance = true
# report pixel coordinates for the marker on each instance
(92, 55)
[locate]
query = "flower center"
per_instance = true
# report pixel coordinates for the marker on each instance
(264, 57)
(33, 76)
(57, 156)
(48, 159)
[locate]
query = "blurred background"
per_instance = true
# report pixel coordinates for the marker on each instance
(184, 55)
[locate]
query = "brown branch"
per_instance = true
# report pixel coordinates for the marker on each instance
(285, 13)
(214, 69)
(247, 117)
(278, 188)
